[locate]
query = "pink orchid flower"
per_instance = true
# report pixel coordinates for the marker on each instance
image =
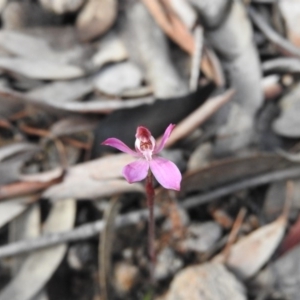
(165, 171)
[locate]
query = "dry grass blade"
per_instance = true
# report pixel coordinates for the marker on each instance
(106, 246)
(196, 118)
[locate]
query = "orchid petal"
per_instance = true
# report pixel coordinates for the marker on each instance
(116, 143)
(164, 138)
(166, 173)
(136, 171)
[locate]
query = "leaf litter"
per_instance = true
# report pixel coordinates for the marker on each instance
(74, 73)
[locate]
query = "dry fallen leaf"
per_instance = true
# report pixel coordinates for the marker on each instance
(89, 188)
(22, 188)
(210, 281)
(39, 266)
(287, 123)
(111, 49)
(96, 18)
(274, 199)
(36, 69)
(62, 6)
(118, 78)
(102, 106)
(148, 45)
(61, 92)
(94, 179)
(290, 10)
(249, 254)
(178, 30)
(15, 148)
(10, 169)
(283, 275)
(234, 168)
(185, 12)
(26, 46)
(2, 4)
(45, 177)
(25, 226)
(12, 208)
(292, 238)
(74, 124)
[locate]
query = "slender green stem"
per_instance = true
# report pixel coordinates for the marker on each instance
(151, 225)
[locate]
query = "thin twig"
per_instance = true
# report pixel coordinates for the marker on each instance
(196, 58)
(234, 232)
(92, 229)
(271, 34)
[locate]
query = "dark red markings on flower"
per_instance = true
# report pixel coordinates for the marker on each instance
(143, 134)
